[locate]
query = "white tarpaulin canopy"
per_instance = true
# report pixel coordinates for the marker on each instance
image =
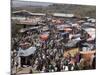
(26, 52)
(91, 32)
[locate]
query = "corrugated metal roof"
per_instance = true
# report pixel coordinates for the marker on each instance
(63, 15)
(28, 12)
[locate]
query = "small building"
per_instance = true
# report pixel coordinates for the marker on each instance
(26, 17)
(63, 15)
(62, 18)
(25, 13)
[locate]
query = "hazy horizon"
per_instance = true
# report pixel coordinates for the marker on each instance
(20, 3)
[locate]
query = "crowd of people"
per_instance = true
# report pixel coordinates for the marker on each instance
(50, 47)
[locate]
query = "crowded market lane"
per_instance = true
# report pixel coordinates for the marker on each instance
(53, 44)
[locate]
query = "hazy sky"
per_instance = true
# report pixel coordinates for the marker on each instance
(19, 3)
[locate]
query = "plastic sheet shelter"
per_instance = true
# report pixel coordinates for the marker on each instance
(87, 54)
(26, 52)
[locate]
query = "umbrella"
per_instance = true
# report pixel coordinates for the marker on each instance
(44, 36)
